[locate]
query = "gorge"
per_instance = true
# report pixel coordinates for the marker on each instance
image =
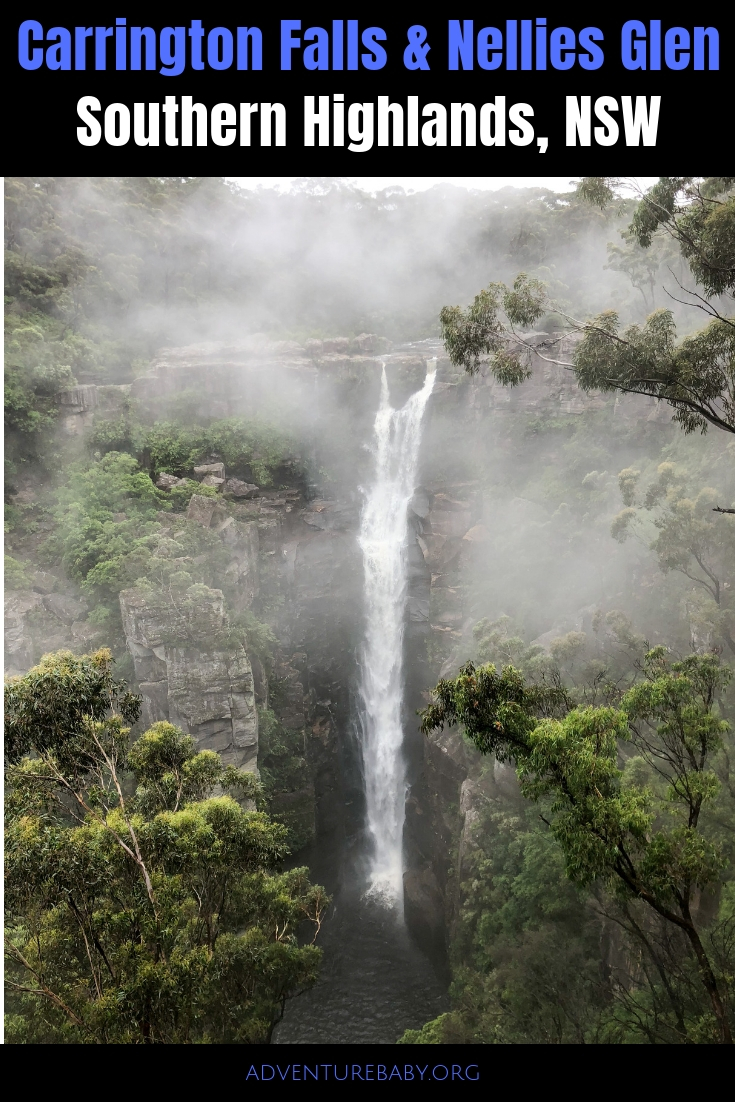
(363, 574)
(262, 474)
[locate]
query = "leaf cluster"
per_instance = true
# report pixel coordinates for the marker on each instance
(482, 330)
(143, 907)
(696, 377)
(644, 845)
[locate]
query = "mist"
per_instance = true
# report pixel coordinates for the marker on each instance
(192, 452)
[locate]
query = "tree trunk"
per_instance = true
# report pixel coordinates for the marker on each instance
(709, 981)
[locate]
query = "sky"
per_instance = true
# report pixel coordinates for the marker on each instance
(422, 183)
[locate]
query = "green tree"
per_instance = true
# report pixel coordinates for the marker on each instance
(644, 836)
(484, 329)
(687, 540)
(141, 907)
(696, 376)
(697, 212)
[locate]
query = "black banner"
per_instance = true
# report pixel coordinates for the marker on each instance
(324, 91)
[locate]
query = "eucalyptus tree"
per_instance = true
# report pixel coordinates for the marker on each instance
(627, 791)
(142, 908)
(695, 376)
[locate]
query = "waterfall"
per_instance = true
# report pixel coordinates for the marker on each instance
(383, 532)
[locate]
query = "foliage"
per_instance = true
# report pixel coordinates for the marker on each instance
(16, 574)
(180, 496)
(644, 267)
(118, 434)
(45, 710)
(246, 447)
(644, 846)
(107, 516)
(696, 377)
(257, 638)
(527, 946)
(698, 212)
(575, 668)
(141, 908)
(283, 771)
(436, 1032)
(687, 538)
(481, 331)
(102, 272)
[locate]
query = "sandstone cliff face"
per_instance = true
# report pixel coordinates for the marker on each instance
(293, 552)
(184, 678)
(38, 621)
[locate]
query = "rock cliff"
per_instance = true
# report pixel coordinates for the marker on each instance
(291, 555)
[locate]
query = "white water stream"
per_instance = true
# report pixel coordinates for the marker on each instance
(383, 532)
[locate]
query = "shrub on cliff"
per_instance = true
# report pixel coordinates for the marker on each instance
(249, 448)
(141, 909)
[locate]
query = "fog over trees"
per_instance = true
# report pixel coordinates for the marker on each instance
(192, 376)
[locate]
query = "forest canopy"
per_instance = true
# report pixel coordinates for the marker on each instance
(141, 907)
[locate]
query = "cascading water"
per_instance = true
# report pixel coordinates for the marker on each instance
(375, 981)
(383, 532)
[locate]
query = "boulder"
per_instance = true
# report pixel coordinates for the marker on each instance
(147, 388)
(168, 481)
(240, 489)
(420, 505)
(78, 404)
(417, 609)
(78, 399)
(86, 635)
(66, 609)
(449, 522)
(330, 515)
(220, 518)
(205, 614)
(242, 541)
(424, 904)
(201, 509)
(154, 704)
(366, 343)
(43, 582)
(336, 344)
(213, 480)
(216, 469)
(147, 620)
(112, 399)
(18, 641)
(478, 534)
(209, 693)
(439, 550)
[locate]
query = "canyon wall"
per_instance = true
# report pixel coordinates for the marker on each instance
(298, 544)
